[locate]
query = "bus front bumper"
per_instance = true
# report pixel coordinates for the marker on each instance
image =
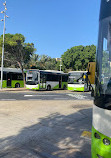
(34, 87)
(98, 148)
(76, 87)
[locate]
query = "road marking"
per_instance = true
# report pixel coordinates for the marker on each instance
(78, 96)
(28, 95)
(86, 134)
(39, 95)
(60, 98)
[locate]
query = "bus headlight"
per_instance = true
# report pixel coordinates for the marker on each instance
(106, 141)
(99, 156)
(97, 136)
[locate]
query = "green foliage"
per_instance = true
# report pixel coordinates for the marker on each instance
(78, 57)
(43, 62)
(17, 52)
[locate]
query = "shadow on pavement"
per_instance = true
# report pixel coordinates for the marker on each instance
(53, 137)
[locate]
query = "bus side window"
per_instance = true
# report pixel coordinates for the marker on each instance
(54, 77)
(64, 78)
(49, 77)
(4, 76)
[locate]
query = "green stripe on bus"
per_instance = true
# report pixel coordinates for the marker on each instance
(76, 88)
(4, 84)
(37, 88)
(56, 87)
(62, 86)
(17, 81)
(98, 147)
(13, 82)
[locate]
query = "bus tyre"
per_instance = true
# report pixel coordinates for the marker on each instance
(64, 87)
(17, 85)
(48, 88)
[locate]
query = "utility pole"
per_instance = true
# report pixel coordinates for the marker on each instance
(60, 63)
(3, 12)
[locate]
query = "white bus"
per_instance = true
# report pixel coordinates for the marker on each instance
(12, 78)
(101, 124)
(46, 79)
(78, 81)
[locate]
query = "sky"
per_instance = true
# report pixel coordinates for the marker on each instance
(53, 25)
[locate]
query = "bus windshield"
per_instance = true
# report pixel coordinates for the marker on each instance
(103, 65)
(32, 77)
(75, 77)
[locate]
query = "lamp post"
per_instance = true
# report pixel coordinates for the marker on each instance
(60, 63)
(3, 12)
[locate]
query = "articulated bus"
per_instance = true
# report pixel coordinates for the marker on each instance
(12, 78)
(46, 79)
(101, 129)
(78, 81)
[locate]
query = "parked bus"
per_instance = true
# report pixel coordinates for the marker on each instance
(46, 79)
(101, 127)
(12, 78)
(78, 81)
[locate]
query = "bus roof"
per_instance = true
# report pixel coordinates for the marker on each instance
(53, 71)
(49, 71)
(12, 70)
(76, 71)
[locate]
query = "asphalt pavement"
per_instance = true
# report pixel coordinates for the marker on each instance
(44, 95)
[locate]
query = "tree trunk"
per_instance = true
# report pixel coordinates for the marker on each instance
(21, 67)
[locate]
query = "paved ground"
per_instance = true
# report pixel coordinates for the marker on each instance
(45, 129)
(43, 95)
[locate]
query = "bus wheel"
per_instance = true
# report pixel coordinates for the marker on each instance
(48, 88)
(64, 87)
(17, 85)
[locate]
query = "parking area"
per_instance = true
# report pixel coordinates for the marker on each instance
(45, 129)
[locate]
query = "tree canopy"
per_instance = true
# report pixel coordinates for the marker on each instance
(77, 57)
(44, 62)
(17, 52)
(21, 54)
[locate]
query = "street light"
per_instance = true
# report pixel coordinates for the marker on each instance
(5, 16)
(60, 63)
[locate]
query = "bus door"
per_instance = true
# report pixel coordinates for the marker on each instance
(9, 79)
(42, 81)
(60, 81)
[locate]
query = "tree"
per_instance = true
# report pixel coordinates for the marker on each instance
(77, 57)
(43, 62)
(34, 61)
(17, 52)
(48, 63)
